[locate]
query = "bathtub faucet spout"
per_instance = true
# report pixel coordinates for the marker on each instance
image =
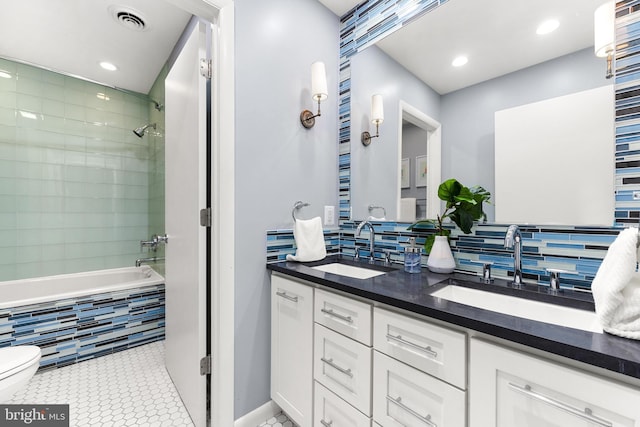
(141, 261)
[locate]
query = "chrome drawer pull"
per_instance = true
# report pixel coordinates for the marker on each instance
(587, 414)
(426, 420)
(339, 316)
(285, 296)
(334, 366)
(410, 344)
(325, 423)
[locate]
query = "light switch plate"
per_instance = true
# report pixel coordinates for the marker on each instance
(329, 215)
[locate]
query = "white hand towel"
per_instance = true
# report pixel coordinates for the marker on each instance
(309, 240)
(407, 209)
(616, 287)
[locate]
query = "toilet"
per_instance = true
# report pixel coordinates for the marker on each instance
(17, 366)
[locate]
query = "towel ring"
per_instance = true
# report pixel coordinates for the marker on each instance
(372, 207)
(297, 205)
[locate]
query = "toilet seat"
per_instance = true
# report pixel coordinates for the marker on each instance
(15, 359)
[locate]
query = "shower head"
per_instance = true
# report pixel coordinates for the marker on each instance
(140, 131)
(157, 105)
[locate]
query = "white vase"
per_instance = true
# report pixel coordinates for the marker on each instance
(441, 259)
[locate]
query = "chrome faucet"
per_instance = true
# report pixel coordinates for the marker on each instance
(154, 242)
(372, 238)
(513, 240)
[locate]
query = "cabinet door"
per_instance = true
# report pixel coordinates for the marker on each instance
(509, 388)
(331, 411)
(291, 344)
(404, 396)
(347, 316)
(435, 350)
(343, 366)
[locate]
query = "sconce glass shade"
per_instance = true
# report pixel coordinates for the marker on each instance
(604, 18)
(318, 82)
(377, 109)
(377, 117)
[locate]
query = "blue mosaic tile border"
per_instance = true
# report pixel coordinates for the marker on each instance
(577, 249)
(280, 243)
(627, 106)
(76, 329)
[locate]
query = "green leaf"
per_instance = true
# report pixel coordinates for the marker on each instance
(423, 222)
(448, 191)
(466, 196)
(463, 218)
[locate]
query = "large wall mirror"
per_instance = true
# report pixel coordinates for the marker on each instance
(511, 72)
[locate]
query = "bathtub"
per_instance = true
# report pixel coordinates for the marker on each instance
(75, 317)
(15, 293)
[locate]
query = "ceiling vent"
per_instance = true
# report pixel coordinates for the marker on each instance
(127, 17)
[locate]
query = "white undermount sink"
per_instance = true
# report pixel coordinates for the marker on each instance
(521, 307)
(348, 270)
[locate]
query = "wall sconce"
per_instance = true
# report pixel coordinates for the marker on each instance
(318, 93)
(377, 117)
(604, 20)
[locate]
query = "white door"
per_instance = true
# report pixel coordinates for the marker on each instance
(186, 251)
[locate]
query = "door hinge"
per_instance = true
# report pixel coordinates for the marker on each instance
(205, 217)
(205, 365)
(206, 68)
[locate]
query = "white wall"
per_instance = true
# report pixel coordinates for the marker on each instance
(277, 160)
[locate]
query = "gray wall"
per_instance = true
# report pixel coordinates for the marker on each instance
(467, 115)
(277, 160)
(374, 169)
(414, 143)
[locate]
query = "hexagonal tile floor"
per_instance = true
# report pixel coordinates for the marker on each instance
(279, 420)
(129, 388)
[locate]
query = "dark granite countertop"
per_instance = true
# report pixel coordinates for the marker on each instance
(411, 292)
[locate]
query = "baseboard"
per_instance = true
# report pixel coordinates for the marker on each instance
(258, 415)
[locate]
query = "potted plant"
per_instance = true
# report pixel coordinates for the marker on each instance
(463, 206)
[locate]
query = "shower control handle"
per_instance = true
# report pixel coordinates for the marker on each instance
(154, 242)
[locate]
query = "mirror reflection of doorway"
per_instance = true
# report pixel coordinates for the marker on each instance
(419, 172)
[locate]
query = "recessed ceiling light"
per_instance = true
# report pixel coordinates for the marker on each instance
(108, 66)
(460, 61)
(5, 74)
(547, 27)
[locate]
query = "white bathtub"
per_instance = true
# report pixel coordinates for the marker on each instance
(15, 293)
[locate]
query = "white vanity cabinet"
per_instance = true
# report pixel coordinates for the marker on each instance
(291, 348)
(510, 388)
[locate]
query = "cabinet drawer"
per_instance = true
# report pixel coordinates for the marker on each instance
(404, 396)
(343, 366)
(330, 410)
(344, 315)
(438, 351)
(511, 388)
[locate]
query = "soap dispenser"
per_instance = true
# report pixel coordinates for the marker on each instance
(412, 257)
